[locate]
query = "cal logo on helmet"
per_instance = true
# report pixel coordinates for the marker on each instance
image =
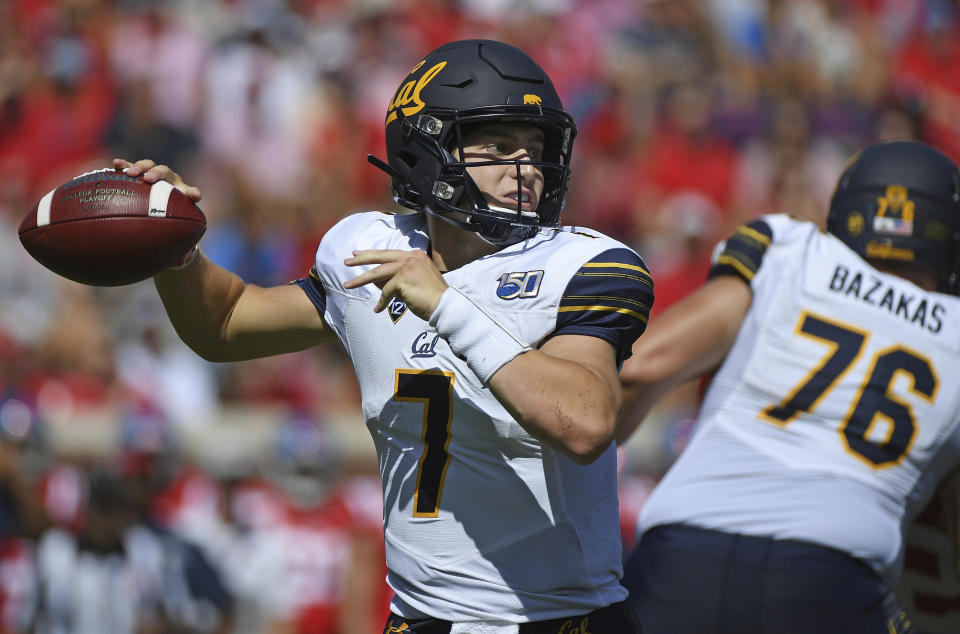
(532, 100)
(407, 100)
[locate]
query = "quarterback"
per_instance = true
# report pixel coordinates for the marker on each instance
(833, 413)
(486, 339)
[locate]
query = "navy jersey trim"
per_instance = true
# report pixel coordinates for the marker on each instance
(313, 287)
(609, 297)
(743, 251)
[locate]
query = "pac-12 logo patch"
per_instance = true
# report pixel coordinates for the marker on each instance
(396, 308)
(523, 284)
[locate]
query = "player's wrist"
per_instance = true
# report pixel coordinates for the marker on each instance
(473, 335)
(188, 258)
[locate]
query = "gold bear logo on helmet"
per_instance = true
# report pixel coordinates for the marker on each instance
(532, 100)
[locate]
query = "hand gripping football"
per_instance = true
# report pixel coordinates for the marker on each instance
(105, 228)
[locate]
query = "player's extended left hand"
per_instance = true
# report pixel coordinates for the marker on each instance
(409, 275)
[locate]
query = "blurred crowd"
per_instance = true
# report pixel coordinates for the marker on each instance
(693, 116)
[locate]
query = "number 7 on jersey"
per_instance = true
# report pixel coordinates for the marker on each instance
(434, 389)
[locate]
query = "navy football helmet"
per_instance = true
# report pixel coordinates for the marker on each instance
(457, 86)
(899, 201)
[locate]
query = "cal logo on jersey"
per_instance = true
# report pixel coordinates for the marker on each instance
(523, 284)
(397, 629)
(424, 346)
(397, 308)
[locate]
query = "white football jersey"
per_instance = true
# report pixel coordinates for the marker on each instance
(482, 521)
(829, 417)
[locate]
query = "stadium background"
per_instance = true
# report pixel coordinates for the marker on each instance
(693, 116)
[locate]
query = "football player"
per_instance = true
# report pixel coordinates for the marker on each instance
(833, 411)
(486, 339)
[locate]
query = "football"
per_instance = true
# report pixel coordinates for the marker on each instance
(105, 228)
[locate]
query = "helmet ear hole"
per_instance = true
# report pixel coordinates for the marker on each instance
(410, 159)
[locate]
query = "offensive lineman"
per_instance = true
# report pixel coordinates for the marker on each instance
(832, 416)
(486, 340)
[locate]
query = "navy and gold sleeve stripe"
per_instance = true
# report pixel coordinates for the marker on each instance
(312, 286)
(743, 251)
(610, 297)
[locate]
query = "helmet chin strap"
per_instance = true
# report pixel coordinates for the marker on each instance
(503, 235)
(506, 210)
(493, 233)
